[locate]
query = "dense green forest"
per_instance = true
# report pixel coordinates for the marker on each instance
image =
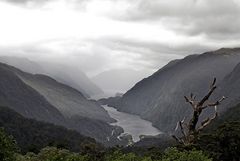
(222, 144)
(32, 135)
(24, 139)
(10, 152)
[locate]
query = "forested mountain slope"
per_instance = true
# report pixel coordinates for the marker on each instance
(32, 135)
(159, 98)
(44, 99)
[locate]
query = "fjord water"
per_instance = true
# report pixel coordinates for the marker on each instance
(132, 124)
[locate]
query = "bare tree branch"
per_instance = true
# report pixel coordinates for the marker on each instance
(189, 101)
(190, 131)
(217, 102)
(193, 97)
(178, 139)
(207, 122)
(206, 97)
(182, 128)
(214, 104)
(214, 82)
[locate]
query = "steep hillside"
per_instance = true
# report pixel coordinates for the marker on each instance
(67, 100)
(72, 76)
(159, 98)
(230, 86)
(22, 98)
(230, 115)
(32, 135)
(43, 98)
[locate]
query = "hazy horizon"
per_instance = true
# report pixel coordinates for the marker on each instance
(97, 36)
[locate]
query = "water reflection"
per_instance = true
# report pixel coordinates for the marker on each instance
(132, 124)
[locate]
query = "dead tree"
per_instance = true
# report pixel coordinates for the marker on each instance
(191, 130)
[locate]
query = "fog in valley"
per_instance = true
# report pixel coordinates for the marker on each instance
(112, 44)
(111, 80)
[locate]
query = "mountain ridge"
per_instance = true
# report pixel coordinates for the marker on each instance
(19, 96)
(159, 98)
(41, 110)
(60, 72)
(32, 135)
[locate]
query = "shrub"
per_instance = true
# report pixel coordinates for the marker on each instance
(172, 154)
(8, 147)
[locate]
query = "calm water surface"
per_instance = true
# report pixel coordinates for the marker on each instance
(132, 124)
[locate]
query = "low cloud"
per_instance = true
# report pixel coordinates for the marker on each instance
(105, 53)
(215, 19)
(152, 55)
(137, 34)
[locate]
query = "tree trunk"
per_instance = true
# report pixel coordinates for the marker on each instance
(191, 132)
(193, 122)
(192, 127)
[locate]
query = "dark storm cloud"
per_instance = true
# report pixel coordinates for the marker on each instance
(216, 19)
(145, 9)
(212, 24)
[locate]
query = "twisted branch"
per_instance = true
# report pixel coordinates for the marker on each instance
(215, 104)
(192, 129)
(207, 122)
(206, 97)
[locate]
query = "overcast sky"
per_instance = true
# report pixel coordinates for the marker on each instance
(98, 35)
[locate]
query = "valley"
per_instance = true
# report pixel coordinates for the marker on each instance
(120, 80)
(132, 124)
(146, 116)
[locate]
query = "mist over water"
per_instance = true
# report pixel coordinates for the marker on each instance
(132, 124)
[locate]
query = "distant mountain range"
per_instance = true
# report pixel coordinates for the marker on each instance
(159, 98)
(72, 76)
(42, 98)
(119, 80)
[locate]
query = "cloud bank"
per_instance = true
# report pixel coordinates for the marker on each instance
(113, 34)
